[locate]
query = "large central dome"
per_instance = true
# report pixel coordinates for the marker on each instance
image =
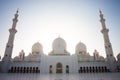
(59, 42)
(59, 47)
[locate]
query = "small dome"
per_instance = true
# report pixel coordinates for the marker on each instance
(81, 48)
(118, 57)
(37, 48)
(59, 42)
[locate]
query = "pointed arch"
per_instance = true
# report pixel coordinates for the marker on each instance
(50, 69)
(67, 69)
(58, 68)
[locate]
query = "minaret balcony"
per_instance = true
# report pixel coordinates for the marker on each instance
(104, 30)
(12, 30)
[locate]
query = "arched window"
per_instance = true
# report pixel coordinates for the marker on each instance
(33, 69)
(83, 69)
(30, 69)
(36, 70)
(17, 69)
(93, 69)
(11, 69)
(90, 69)
(80, 69)
(27, 69)
(87, 69)
(99, 69)
(20, 69)
(50, 69)
(58, 68)
(24, 69)
(96, 69)
(102, 69)
(67, 69)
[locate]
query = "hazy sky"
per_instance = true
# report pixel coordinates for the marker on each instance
(74, 20)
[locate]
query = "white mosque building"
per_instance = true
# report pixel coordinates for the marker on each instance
(59, 60)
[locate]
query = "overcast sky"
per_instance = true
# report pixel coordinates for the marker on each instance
(74, 20)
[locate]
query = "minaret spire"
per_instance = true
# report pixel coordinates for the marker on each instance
(102, 20)
(9, 45)
(15, 20)
(107, 43)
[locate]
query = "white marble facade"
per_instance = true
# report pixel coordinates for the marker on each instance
(59, 60)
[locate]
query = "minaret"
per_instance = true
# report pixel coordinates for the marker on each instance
(9, 46)
(108, 46)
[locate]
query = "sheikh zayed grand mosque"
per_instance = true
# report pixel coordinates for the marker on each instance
(59, 60)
